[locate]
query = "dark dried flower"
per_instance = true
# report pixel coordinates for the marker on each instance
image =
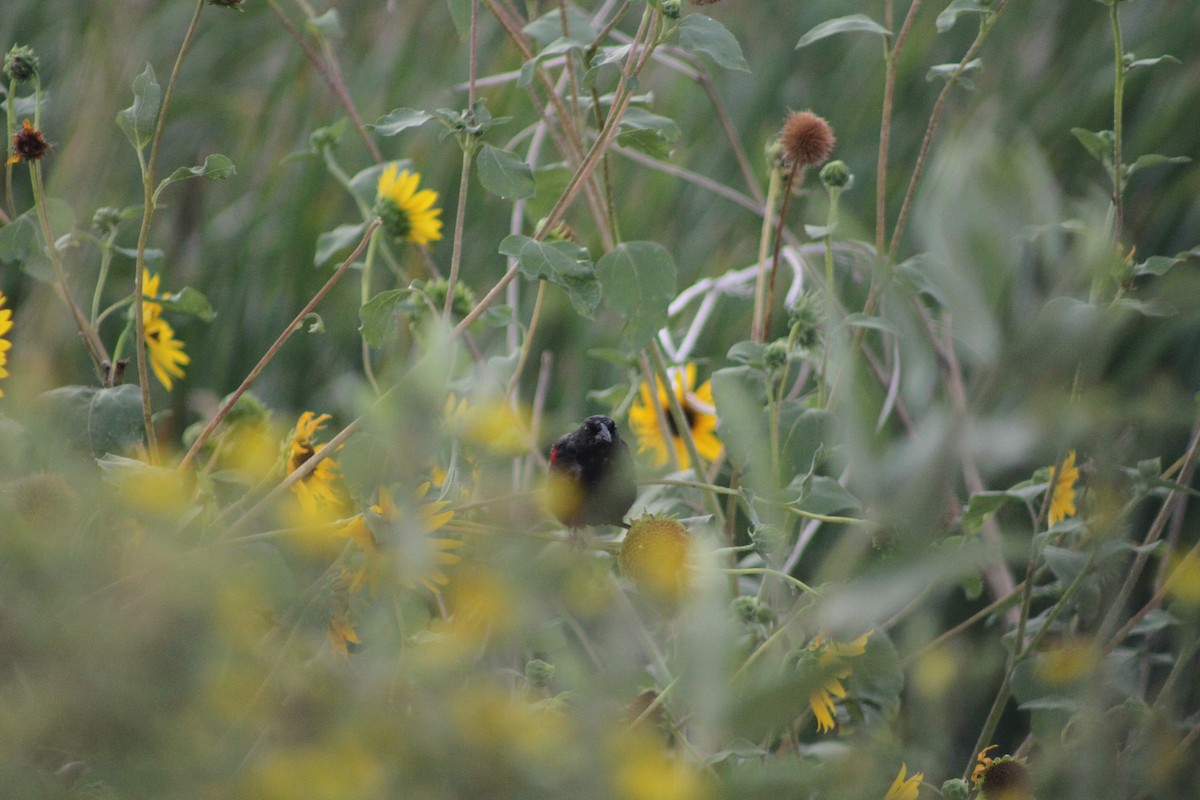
(28, 144)
(806, 139)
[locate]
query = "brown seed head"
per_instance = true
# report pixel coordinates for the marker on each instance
(806, 139)
(28, 144)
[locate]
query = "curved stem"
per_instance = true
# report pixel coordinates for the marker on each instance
(1118, 178)
(270, 354)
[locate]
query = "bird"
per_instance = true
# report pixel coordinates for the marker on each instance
(592, 477)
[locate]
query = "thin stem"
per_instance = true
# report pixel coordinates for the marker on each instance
(333, 78)
(835, 194)
(757, 329)
(270, 354)
(106, 254)
(885, 125)
(459, 224)
(1118, 122)
(527, 344)
(769, 301)
(95, 347)
(935, 116)
(139, 317)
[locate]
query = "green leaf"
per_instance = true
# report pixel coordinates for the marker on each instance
(503, 174)
(215, 167)
(1152, 160)
(860, 320)
(1098, 143)
(18, 239)
(378, 316)
(855, 23)
(1151, 62)
(328, 25)
(803, 432)
(946, 19)
(877, 680)
(563, 264)
(95, 419)
(701, 34)
(188, 301)
(139, 119)
(395, 121)
(981, 507)
(649, 133)
(826, 496)
(1156, 265)
(638, 279)
(331, 244)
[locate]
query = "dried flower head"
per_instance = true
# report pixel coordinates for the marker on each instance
(28, 144)
(806, 139)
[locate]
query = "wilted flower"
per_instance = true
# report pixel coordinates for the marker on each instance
(27, 144)
(806, 140)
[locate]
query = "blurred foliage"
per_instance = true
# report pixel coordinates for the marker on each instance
(867, 575)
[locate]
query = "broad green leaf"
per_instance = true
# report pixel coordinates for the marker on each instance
(1156, 265)
(701, 34)
(638, 279)
(393, 122)
(377, 317)
(95, 419)
(877, 679)
(855, 23)
(18, 239)
(946, 19)
(563, 264)
(215, 167)
(647, 132)
(331, 244)
(503, 174)
(188, 301)
(328, 25)
(803, 432)
(139, 119)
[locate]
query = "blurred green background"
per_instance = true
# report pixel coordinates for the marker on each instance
(247, 91)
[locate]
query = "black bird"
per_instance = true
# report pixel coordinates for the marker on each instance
(592, 480)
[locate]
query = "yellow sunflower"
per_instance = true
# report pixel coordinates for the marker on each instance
(905, 788)
(315, 491)
(1062, 498)
(697, 407)
(5, 327)
(408, 215)
(832, 657)
(1001, 778)
(443, 552)
(164, 350)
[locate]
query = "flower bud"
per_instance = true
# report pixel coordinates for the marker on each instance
(539, 673)
(955, 789)
(671, 9)
(836, 175)
(775, 354)
(106, 220)
(20, 63)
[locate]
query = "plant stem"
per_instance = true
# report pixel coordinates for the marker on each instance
(769, 301)
(774, 184)
(270, 354)
(139, 318)
(1118, 117)
(459, 224)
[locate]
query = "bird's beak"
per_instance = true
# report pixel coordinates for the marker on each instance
(603, 435)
